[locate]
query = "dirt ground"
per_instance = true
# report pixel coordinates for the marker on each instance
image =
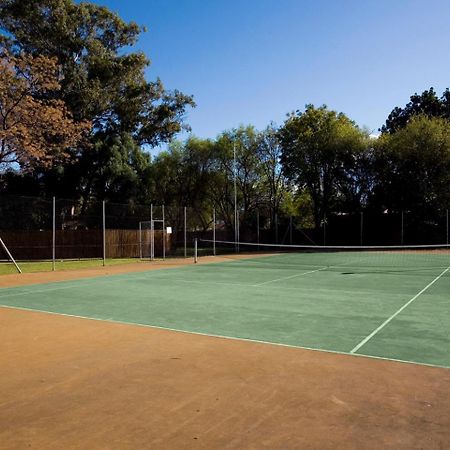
(83, 384)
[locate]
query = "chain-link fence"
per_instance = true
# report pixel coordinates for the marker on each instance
(58, 229)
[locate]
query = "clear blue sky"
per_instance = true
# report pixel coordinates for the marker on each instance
(253, 61)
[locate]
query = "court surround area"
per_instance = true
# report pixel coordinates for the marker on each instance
(356, 329)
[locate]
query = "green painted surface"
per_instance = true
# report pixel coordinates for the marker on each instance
(63, 265)
(323, 301)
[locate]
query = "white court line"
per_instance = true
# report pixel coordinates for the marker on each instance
(231, 338)
(374, 332)
(287, 278)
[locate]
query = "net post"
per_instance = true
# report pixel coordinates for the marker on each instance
(195, 251)
(104, 232)
(9, 255)
(163, 233)
(361, 228)
(54, 235)
(152, 237)
(185, 233)
(214, 231)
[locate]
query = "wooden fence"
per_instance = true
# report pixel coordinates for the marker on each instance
(82, 244)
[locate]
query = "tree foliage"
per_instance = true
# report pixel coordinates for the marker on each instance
(320, 150)
(36, 127)
(427, 104)
(413, 166)
(102, 82)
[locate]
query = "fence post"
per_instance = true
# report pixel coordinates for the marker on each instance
(402, 235)
(164, 233)
(290, 230)
(54, 235)
(152, 239)
(195, 251)
(361, 229)
(140, 240)
(104, 233)
(324, 229)
(257, 227)
(185, 233)
(276, 228)
(447, 227)
(214, 231)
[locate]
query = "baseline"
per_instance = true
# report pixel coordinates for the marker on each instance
(232, 338)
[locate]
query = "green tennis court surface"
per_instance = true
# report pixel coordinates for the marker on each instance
(390, 305)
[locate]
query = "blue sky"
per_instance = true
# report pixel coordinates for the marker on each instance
(253, 61)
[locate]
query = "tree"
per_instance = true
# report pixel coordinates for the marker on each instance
(36, 128)
(413, 166)
(102, 81)
(274, 186)
(427, 104)
(317, 145)
(246, 168)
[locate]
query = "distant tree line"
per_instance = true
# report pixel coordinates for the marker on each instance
(78, 118)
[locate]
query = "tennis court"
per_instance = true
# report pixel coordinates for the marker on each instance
(384, 304)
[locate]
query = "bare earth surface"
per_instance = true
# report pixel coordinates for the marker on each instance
(84, 384)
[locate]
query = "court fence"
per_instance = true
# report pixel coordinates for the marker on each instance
(54, 229)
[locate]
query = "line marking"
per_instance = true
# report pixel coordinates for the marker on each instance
(231, 338)
(374, 332)
(287, 278)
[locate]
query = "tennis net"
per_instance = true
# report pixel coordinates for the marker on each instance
(351, 259)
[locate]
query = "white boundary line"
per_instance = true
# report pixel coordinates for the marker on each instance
(287, 278)
(374, 332)
(231, 338)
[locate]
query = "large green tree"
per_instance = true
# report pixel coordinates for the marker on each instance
(427, 103)
(319, 149)
(102, 80)
(413, 167)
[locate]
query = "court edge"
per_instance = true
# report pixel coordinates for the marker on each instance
(232, 338)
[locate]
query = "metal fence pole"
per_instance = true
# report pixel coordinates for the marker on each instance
(185, 233)
(9, 255)
(195, 251)
(361, 228)
(257, 227)
(276, 228)
(324, 229)
(238, 230)
(54, 235)
(104, 234)
(152, 237)
(447, 226)
(402, 235)
(140, 239)
(290, 230)
(164, 232)
(214, 231)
